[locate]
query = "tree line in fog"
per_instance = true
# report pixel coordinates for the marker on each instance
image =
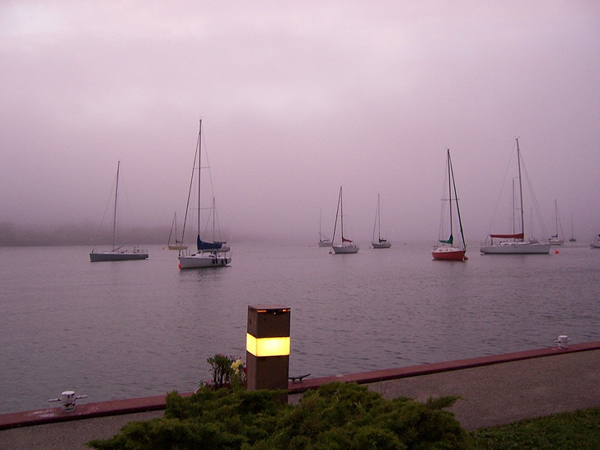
(12, 235)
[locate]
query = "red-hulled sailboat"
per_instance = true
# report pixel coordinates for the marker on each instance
(449, 248)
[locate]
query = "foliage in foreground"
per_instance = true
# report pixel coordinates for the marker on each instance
(335, 416)
(580, 430)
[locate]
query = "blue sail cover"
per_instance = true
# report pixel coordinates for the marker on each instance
(450, 240)
(208, 246)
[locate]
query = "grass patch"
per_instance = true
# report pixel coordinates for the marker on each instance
(576, 430)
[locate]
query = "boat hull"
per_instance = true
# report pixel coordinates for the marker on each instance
(381, 244)
(516, 248)
(448, 254)
(204, 260)
(177, 247)
(117, 256)
(345, 249)
(324, 243)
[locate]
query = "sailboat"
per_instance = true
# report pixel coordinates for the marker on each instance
(595, 242)
(572, 231)
(323, 241)
(346, 245)
(449, 248)
(555, 239)
(379, 242)
(178, 245)
(117, 253)
(515, 243)
(208, 254)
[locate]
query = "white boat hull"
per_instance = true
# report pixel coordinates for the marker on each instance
(516, 248)
(324, 243)
(118, 256)
(204, 260)
(345, 249)
(384, 244)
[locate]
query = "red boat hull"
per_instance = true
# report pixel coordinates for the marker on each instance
(458, 255)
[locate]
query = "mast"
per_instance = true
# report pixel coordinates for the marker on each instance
(173, 225)
(556, 216)
(114, 232)
(450, 191)
(520, 190)
(378, 219)
(451, 173)
(199, 170)
(342, 215)
(337, 214)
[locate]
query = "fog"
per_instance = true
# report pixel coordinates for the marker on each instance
(296, 100)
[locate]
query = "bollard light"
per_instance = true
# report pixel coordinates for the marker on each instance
(268, 347)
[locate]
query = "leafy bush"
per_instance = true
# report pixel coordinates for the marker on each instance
(335, 416)
(227, 371)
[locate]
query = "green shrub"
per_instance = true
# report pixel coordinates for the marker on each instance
(335, 416)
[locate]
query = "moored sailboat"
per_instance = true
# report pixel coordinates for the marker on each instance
(323, 241)
(178, 245)
(449, 248)
(557, 238)
(515, 243)
(117, 252)
(208, 254)
(379, 242)
(346, 245)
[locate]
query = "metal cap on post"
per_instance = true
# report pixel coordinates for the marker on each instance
(268, 347)
(67, 400)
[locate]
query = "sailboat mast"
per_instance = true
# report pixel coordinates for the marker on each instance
(199, 170)
(337, 213)
(520, 189)
(451, 173)
(378, 218)
(449, 190)
(341, 214)
(114, 231)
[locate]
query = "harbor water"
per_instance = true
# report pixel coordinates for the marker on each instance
(115, 330)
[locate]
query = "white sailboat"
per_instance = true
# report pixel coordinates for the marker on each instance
(346, 245)
(449, 248)
(595, 242)
(557, 238)
(178, 245)
(515, 243)
(117, 252)
(379, 242)
(208, 254)
(323, 241)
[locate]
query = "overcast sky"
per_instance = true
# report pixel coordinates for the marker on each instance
(297, 99)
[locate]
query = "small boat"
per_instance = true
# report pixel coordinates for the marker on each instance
(208, 254)
(449, 248)
(346, 245)
(323, 241)
(379, 242)
(117, 252)
(178, 245)
(555, 239)
(595, 242)
(515, 243)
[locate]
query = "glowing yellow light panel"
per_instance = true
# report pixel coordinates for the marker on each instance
(275, 346)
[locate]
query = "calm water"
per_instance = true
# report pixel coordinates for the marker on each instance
(140, 328)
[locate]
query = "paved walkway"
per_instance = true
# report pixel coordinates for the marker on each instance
(495, 390)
